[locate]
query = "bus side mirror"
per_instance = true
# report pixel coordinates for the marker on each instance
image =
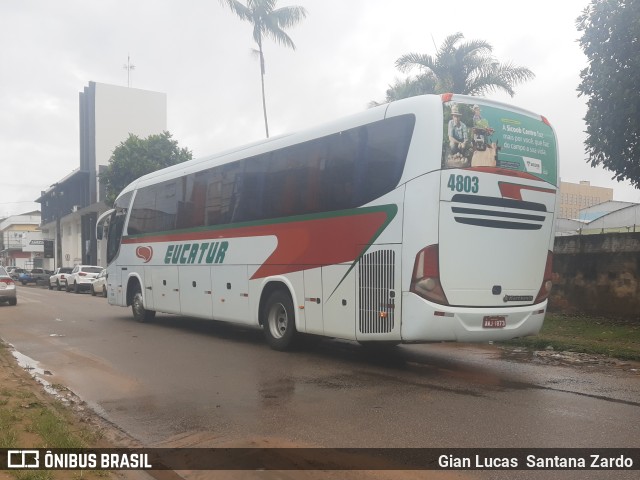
(101, 224)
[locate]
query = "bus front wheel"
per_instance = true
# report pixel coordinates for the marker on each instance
(141, 314)
(278, 321)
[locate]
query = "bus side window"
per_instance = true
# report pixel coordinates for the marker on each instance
(249, 201)
(315, 156)
(213, 205)
(281, 185)
(338, 176)
(142, 218)
(222, 193)
(187, 214)
(386, 152)
(168, 197)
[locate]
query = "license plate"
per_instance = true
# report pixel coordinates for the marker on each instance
(494, 322)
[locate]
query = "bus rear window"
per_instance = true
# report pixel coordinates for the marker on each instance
(477, 135)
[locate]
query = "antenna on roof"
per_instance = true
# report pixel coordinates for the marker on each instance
(128, 67)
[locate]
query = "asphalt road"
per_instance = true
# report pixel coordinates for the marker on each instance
(185, 382)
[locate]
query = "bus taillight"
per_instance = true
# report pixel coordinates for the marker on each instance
(426, 276)
(547, 283)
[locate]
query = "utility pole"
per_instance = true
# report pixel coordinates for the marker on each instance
(128, 67)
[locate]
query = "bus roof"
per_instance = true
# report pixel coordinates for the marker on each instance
(407, 105)
(258, 147)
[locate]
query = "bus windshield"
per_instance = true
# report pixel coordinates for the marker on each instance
(116, 226)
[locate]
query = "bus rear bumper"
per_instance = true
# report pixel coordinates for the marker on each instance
(423, 321)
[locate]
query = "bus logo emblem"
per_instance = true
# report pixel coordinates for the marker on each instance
(145, 253)
(517, 298)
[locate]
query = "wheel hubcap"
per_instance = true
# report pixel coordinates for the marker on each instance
(137, 305)
(278, 320)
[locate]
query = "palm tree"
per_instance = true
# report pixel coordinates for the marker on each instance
(267, 21)
(409, 87)
(467, 68)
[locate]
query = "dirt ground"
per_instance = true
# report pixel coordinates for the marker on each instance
(23, 400)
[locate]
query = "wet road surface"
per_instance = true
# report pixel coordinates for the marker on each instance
(186, 382)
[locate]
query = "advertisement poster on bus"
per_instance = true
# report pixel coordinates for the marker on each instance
(477, 135)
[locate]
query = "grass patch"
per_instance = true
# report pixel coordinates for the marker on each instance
(29, 418)
(54, 429)
(34, 475)
(618, 338)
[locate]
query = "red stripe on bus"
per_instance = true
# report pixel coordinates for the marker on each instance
(302, 245)
(514, 191)
(320, 242)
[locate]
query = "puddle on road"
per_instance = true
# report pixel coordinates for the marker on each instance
(567, 358)
(33, 368)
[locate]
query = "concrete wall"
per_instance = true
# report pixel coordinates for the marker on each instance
(597, 274)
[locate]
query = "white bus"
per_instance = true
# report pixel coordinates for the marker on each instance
(427, 219)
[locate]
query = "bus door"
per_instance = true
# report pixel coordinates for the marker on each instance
(116, 293)
(109, 226)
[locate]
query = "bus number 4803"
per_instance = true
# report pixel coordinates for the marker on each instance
(463, 183)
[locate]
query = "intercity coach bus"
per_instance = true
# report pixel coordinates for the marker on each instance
(426, 219)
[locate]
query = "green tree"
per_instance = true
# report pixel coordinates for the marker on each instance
(138, 156)
(267, 21)
(410, 87)
(467, 68)
(611, 41)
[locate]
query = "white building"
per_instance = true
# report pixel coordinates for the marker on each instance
(71, 206)
(21, 243)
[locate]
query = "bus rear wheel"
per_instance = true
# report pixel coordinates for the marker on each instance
(141, 314)
(278, 321)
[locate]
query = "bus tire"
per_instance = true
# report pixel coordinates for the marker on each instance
(141, 314)
(279, 321)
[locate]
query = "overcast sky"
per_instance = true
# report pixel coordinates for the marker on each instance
(199, 54)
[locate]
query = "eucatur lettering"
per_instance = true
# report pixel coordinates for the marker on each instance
(196, 253)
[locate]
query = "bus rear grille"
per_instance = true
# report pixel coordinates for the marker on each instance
(494, 212)
(377, 306)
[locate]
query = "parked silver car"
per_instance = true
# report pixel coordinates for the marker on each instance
(7, 288)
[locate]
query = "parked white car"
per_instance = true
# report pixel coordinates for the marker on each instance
(59, 278)
(81, 277)
(99, 285)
